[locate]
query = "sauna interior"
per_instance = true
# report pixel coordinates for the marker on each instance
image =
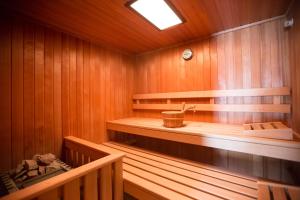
(150, 99)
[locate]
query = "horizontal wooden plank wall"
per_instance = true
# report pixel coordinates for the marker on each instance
(252, 57)
(53, 85)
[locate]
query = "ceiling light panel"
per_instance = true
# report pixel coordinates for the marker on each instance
(158, 12)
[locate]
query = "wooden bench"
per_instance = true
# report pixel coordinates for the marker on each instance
(222, 136)
(215, 135)
(148, 176)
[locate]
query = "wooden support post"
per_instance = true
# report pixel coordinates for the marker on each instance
(106, 183)
(118, 180)
(90, 186)
(72, 190)
(51, 195)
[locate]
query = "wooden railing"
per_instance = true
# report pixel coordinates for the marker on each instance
(142, 101)
(98, 176)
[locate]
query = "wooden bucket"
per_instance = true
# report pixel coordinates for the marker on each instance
(173, 119)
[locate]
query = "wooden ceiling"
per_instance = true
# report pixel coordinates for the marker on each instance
(111, 24)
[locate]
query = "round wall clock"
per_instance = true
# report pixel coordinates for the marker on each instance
(187, 54)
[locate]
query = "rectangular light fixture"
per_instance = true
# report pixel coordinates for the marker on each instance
(158, 12)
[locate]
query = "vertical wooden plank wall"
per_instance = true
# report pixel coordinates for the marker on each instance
(294, 34)
(53, 85)
(5, 94)
(294, 47)
(256, 56)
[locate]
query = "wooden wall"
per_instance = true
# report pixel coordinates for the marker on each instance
(295, 64)
(252, 57)
(53, 85)
(257, 56)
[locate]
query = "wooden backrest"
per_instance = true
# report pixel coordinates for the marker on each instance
(275, 93)
(99, 176)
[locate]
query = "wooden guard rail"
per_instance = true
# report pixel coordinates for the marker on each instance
(99, 176)
(276, 106)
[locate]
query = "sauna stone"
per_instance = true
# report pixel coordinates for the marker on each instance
(19, 168)
(42, 170)
(31, 164)
(46, 159)
(52, 167)
(32, 173)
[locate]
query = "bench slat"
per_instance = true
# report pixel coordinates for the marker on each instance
(172, 185)
(197, 168)
(136, 191)
(196, 184)
(278, 193)
(152, 187)
(207, 179)
(294, 193)
(163, 157)
(263, 192)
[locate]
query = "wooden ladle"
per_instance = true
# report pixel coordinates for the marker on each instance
(188, 108)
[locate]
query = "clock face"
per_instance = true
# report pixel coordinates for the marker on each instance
(187, 54)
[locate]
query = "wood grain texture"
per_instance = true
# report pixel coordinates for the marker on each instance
(228, 137)
(79, 182)
(5, 92)
(235, 64)
(90, 186)
(294, 73)
(294, 34)
(123, 29)
(248, 58)
(106, 190)
(54, 85)
(17, 92)
(191, 179)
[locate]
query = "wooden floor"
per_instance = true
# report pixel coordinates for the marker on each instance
(155, 176)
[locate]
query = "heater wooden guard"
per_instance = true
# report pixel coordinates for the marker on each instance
(98, 175)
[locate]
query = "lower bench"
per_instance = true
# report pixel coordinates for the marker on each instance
(149, 175)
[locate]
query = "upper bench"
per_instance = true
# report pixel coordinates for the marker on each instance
(249, 138)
